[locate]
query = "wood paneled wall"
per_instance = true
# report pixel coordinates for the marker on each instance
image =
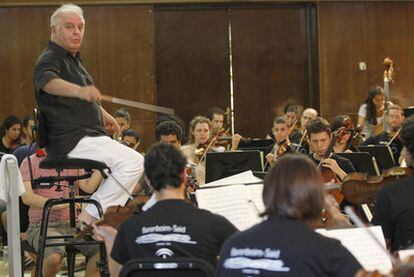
(178, 56)
(353, 32)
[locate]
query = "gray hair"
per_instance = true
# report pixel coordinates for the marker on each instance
(65, 8)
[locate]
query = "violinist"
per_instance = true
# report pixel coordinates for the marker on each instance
(199, 141)
(172, 225)
(395, 117)
(298, 137)
(344, 142)
(319, 138)
(282, 144)
(229, 142)
(394, 209)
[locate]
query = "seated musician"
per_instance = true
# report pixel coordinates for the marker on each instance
(298, 137)
(130, 138)
(198, 142)
(319, 138)
(344, 142)
(216, 116)
(394, 208)
(395, 117)
(285, 244)
(282, 144)
(169, 132)
(172, 224)
(36, 198)
(123, 118)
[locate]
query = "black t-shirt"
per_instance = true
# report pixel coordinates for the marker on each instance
(284, 247)
(382, 139)
(68, 119)
(172, 228)
(343, 163)
(3, 148)
(394, 211)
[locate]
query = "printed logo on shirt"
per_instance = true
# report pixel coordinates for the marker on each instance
(252, 260)
(164, 233)
(164, 253)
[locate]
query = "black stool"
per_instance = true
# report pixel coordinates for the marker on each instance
(60, 165)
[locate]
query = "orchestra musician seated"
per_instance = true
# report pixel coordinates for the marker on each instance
(284, 244)
(298, 136)
(390, 137)
(198, 142)
(394, 208)
(173, 227)
(344, 143)
(36, 198)
(282, 143)
(224, 140)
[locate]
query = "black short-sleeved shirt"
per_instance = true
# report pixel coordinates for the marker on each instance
(284, 247)
(394, 211)
(343, 163)
(68, 119)
(3, 148)
(382, 139)
(172, 228)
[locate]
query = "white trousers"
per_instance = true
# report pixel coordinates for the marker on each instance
(126, 164)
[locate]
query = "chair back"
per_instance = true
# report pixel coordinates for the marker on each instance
(39, 130)
(158, 267)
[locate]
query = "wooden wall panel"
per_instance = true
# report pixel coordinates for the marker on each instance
(118, 51)
(192, 60)
(353, 32)
(270, 61)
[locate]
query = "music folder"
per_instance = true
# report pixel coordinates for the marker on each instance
(382, 154)
(363, 162)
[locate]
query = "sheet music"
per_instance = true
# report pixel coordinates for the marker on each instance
(363, 247)
(255, 195)
(404, 254)
(245, 177)
(230, 202)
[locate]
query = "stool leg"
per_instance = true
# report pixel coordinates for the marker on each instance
(42, 237)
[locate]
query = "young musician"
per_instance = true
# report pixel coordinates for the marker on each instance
(36, 198)
(282, 143)
(394, 208)
(344, 142)
(199, 140)
(371, 112)
(75, 120)
(319, 139)
(395, 117)
(284, 244)
(172, 224)
(10, 134)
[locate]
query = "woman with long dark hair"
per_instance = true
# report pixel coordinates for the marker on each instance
(371, 112)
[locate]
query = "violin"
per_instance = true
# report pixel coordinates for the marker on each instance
(359, 188)
(327, 174)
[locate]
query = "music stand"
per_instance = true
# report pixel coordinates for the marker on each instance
(408, 112)
(224, 164)
(382, 154)
(257, 144)
(363, 162)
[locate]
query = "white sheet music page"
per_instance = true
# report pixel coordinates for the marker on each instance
(363, 247)
(245, 177)
(230, 202)
(255, 195)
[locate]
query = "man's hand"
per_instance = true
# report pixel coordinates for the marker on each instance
(333, 165)
(103, 232)
(89, 94)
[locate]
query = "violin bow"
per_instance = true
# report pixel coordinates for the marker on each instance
(139, 105)
(392, 139)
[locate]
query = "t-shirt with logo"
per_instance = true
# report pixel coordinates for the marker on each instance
(172, 228)
(284, 247)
